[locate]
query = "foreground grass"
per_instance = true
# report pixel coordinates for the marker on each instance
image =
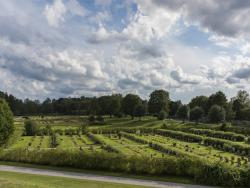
(174, 179)
(19, 180)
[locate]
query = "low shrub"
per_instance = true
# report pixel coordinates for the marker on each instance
(202, 172)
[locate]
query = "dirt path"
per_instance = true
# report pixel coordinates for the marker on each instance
(85, 176)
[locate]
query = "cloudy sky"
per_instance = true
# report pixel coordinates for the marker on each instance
(57, 48)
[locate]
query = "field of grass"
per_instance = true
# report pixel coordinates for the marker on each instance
(18, 180)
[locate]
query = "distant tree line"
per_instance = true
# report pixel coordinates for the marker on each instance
(213, 108)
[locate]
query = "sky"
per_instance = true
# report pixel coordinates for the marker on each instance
(68, 48)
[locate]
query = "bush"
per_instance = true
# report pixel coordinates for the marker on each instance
(31, 128)
(6, 122)
(119, 114)
(162, 115)
(91, 119)
(100, 119)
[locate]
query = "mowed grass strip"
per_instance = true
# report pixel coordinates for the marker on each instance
(19, 180)
(23, 142)
(130, 147)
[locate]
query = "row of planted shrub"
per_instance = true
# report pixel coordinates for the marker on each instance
(225, 145)
(228, 146)
(201, 172)
(219, 134)
(105, 145)
(157, 146)
(179, 135)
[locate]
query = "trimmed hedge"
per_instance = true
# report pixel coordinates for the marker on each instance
(159, 147)
(225, 145)
(219, 134)
(187, 137)
(201, 171)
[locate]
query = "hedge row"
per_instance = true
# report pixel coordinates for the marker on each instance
(187, 137)
(159, 147)
(225, 145)
(219, 134)
(202, 172)
(228, 146)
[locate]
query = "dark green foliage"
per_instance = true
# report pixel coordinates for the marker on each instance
(162, 115)
(70, 131)
(245, 114)
(119, 114)
(200, 101)
(179, 135)
(31, 128)
(196, 113)
(216, 114)
(219, 134)
(100, 118)
(48, 130)
(158, 101)
(219, 98)
(140, 110)
(6, 122)
(109, 104)
(237, 109)
(230, 114)
(228, 146)
(183, 113)
(54, 140)
(91, 119)
(240, 102)
(173, 107)
(129, 103)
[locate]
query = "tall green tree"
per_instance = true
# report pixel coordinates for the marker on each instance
(139, 110)
(158, 101)
(115, 104)
(129, 102)
(240, 102)
(200, 101)
(230, 113)
(183, 112)
(216, 114)
(218, 98)
(173, 107)
(196, 113)
(6, 122)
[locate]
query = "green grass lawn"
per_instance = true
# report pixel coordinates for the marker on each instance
(19, 180)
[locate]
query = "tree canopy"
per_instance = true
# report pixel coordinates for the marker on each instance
(196, 113)
(216, 114)
(236, 109)
(6, 122)
(183, 112)
(158, 101)
(129, 103)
